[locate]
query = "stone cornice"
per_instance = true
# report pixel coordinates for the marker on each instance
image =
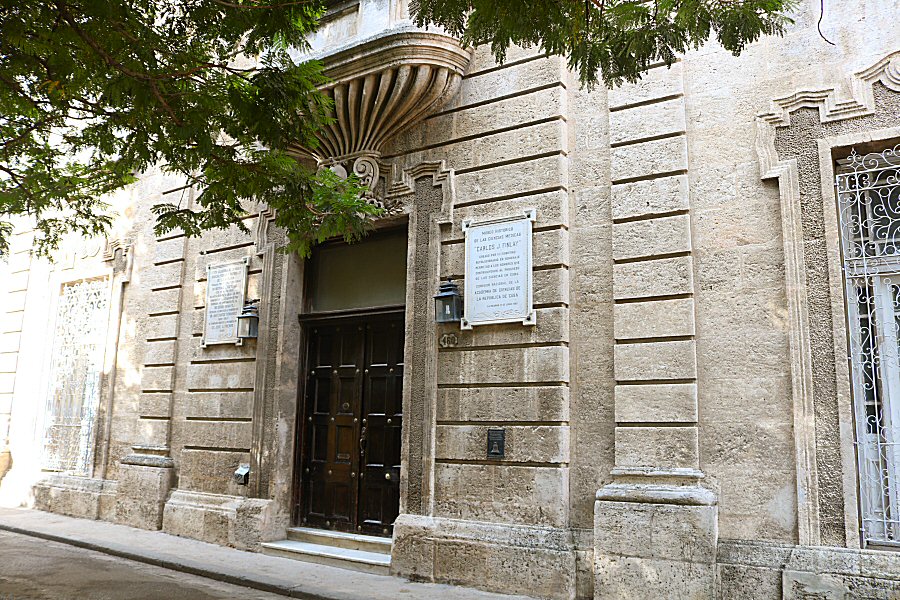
(830, 106)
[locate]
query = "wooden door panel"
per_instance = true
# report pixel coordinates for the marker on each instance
(332, 461)
(382, 412)
(351, 462)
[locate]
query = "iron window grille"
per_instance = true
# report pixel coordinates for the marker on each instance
(868, 192)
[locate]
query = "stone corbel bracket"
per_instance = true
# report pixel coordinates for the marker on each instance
(831, 108)
(381, 87)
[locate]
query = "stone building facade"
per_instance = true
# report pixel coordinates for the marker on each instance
(709, 244)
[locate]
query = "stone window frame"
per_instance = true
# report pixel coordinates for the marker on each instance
(792, 186)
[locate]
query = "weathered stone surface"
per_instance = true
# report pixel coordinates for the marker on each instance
(535, 175)
(217, 434)
(653, 237)
(161, 327)
(660, 277)
(516, 78)
(168, 250)
(141, 494)
(648, 120)
(657, 447)
(515, 144)
(157, 378)
(654, 319)
(219, 405)
(225, 376)
(160, 352)
(507, 365)
(649, 158)
(656, 83)
(501, 493)
(552, 326)
(656, 403)
(162, 276)
(154, 405)
(552, 211)
(538, 403)
(537, 443)
(650, 197)
(213, 472)
(655, 360)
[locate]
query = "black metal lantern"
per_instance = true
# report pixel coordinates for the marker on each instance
(448, 303)
(248, 321)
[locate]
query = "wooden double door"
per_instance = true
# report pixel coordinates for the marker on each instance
(353, 416)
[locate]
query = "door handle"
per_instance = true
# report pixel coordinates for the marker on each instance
(362, 440)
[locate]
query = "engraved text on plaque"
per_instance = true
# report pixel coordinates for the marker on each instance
(226, 284)
(498, 286)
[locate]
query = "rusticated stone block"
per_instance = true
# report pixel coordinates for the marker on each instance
(654, 551)
(537, 443)
(648, 120)
(656, 403)
(532, 175)
(141, 495)
(650, 197)
(536, 403)
(552, 210)
(645, 279)
(502, 493)
(649, 158)
(652, 237)
(655, 360)
(162, 326)
(505, 365)
(654, 319)
(656, 83)
(657, 447)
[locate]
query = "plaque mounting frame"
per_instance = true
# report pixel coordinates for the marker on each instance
(245, 261)
(530, 317)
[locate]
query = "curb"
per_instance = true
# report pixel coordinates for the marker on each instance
(257, 584)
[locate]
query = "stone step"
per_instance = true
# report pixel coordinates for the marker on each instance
(339, 539)
(377, 563)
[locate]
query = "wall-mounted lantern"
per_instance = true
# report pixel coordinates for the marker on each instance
(248, 321)
(448, 303)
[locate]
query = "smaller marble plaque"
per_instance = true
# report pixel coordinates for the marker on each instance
(226, 286)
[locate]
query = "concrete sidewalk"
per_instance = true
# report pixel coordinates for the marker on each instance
(268, 573)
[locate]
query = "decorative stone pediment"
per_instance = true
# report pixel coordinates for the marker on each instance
(381, 87)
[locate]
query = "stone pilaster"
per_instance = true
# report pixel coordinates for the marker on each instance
(655, 525)
(147, 474)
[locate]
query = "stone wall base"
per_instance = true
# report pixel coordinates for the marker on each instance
(654, 551)
(76, 496)
(233, 521)
(514, 559)
(141, 495)
(768, 571)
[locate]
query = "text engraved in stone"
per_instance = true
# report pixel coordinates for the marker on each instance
(225, 285)
(498, 272)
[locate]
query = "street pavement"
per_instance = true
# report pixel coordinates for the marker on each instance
(36, 569)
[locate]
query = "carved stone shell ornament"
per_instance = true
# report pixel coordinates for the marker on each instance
(380, 87)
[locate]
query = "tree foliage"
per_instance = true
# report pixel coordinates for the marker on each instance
(95, 92)
(609, 40)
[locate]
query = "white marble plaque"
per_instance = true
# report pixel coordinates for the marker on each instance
(498, 285)
(226, 286)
